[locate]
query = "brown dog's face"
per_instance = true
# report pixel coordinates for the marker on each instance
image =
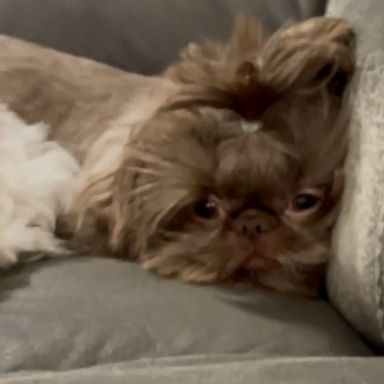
(206, 197)
(240, 178)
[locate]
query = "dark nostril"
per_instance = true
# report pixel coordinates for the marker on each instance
(253, 225)
(259, 229)
(252, 229)
(244, 229)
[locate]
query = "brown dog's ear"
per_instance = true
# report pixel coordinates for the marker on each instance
(317, 53)
(127, 235)
(87, 223)
(249, 75)
(99, 214)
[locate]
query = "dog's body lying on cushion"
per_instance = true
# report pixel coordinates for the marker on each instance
(213, 182)
(36, 177)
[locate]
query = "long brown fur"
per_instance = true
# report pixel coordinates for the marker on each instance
(193, 147)
(165, 146)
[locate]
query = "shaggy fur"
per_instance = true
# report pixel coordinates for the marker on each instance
(36, 176)
(230, 170)
(205, 190)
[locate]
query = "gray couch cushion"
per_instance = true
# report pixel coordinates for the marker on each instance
(218, 370)
(87, 311)
(137, 35)
(356, 274)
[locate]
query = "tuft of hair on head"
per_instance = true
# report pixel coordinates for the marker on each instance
(215, 63)
(291, 84)
(307, 56)
(250, 73)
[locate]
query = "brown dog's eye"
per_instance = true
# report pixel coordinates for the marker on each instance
(304, 204)
(207, 209)
(305, 201)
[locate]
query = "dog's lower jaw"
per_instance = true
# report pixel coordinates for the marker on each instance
(190, 273)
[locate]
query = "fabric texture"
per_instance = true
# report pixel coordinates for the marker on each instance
(356, 274)
(86, 311)
(219, 370)
(138, 35)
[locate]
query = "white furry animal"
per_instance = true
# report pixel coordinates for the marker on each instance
(36, 180)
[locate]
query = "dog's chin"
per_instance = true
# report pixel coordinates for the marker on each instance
(237, 262)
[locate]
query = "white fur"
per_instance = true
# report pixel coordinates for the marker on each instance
(36, 182)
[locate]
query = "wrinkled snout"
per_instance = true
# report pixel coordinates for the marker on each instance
(253, 222)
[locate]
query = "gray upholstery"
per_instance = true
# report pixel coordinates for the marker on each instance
(220, 370)
(87, 311)
(356, 274)
(138, 35)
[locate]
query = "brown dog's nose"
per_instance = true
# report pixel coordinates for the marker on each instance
(253, 222)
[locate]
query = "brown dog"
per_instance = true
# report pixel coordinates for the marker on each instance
(232, 171)
(239, 174)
